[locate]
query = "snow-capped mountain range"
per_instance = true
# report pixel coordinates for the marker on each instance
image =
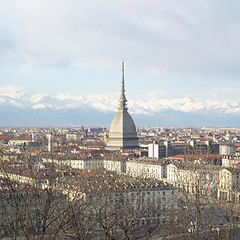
(20, 108)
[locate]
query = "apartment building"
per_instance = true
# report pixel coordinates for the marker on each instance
(193, 178)
(229, 184)
(146, 167)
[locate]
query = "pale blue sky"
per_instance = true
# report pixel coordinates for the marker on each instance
(172, 49)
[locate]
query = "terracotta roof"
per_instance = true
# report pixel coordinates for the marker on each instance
(197, 156)
(5, 138)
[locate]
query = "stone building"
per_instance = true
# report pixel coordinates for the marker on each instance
(122, 133)
(229, 184)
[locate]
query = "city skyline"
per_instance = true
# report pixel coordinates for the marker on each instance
(180, 57)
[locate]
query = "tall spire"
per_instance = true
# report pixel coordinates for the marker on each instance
(123, 99)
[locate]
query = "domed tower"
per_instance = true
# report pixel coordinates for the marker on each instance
(122, 133)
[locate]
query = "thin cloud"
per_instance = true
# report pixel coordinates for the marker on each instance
(25, 68)
(170, 37)
(227, 90)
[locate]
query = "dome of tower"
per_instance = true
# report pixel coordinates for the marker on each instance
(123, 124)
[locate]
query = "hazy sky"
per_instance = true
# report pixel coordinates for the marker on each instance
(171, 49)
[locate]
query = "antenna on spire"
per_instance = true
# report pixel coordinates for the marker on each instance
(123, 87)
(123, 99)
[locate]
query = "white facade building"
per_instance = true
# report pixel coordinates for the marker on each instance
(72, 136)
(158, 150)
(192, 178)
(231, 161)
(153, 150)
(146, 168)
(229, 184)
(227, 149)
(90, 164)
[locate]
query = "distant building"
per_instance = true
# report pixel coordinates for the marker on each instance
(194, 147)
(72, 136)
(20, 141)
(180, 147)
(50, 142)
(159, 150)
(163, 149)
(227, 149)
(122, 133)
